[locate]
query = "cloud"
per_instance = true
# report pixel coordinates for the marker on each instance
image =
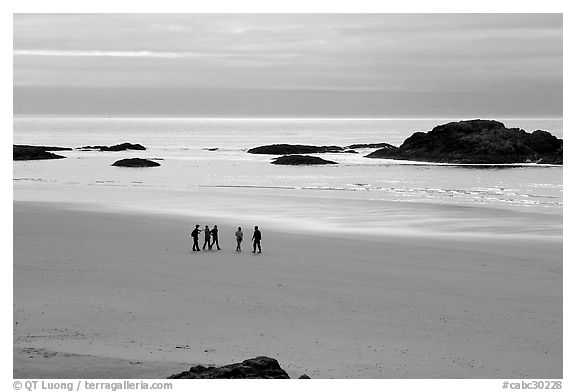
(172, 27)
(471, 53)
(114, 53)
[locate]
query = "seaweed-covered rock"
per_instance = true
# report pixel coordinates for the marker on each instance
(28, 153)
(477, 142)
(301, 160)
(259, 367)
(135, 162)
(287, 149)
(117, 147)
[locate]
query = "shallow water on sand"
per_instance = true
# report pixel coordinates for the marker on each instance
(181, 147)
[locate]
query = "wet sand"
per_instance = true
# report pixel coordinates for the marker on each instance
(121, 288)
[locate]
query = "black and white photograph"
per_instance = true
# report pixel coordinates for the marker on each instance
(288, 195)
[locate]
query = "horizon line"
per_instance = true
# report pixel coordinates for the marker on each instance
(284, 117)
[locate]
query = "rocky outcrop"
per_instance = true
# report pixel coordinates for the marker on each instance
(384, 152)
(290, 149)
(46, 148)
(91, 148)
(135, 162)
(259, 367)
(301, 160)
(28, 153)
(287, 149)
(117, 147)
(370, 145)
(548, 146)
(477, 142)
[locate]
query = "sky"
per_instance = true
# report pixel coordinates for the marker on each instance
(334, 65)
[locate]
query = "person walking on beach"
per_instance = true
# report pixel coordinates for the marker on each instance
(239, 237)
(206, 238)
(194, 235)
(256, 237)
(214, 232)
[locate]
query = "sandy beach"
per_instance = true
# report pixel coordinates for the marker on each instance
(405, 171)
(114, 294)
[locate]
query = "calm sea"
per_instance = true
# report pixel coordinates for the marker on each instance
(181, 145)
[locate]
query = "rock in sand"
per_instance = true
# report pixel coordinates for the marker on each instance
(259, 367)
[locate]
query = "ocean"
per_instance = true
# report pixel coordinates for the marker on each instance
(182, 145)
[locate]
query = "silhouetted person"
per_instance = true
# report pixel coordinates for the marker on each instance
(194, 235)
(214, 232)
(206, 238)
(256, 237)
(239, 238)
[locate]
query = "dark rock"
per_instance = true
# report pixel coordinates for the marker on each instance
(370, 145)
(90, 148)
(117, 147)
(550, 147)
(477, 142)
(304, 376)
(556, 158)
(211, 149)
(135, 162)
(49, 148)
(259, 367)
(384, 152)
(46, 148)
(28, 153)
(126, 146)
(351, 152)
(301, 160)
(287, 149)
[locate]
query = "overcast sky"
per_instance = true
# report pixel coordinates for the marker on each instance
(288, 64)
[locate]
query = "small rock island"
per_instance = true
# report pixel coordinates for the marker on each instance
(289, 149)
(21, 152)
(301, 160)
(370, 145)
(477, 142)
(135, 162)
(117, 147)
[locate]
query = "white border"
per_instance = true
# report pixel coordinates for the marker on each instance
(299, 6)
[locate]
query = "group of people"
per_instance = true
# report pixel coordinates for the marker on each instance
(211, 238)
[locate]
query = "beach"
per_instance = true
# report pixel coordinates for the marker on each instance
(405, 172)
(118, 290)
(371, 268)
